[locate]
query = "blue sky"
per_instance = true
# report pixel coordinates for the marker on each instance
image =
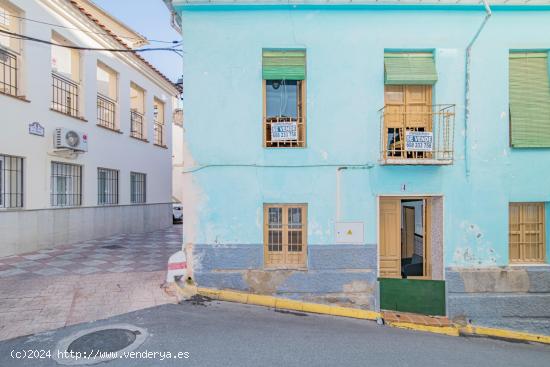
(150, 18)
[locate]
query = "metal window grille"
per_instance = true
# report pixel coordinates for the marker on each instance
(66, 184)
(64, 95)
(138, 188)
(107, 186)
(106, 108)
(136, 124)
(159, 133)
(8, 73)
(11, 182)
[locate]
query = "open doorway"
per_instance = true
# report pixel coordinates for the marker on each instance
(413, 235)
(405, 225)
(411, 254)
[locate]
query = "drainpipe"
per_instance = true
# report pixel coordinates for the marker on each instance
(488, 14)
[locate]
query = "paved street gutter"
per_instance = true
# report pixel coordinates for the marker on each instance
(287, 304)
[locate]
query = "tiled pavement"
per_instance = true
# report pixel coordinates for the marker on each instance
(142, 252)
(83, 282)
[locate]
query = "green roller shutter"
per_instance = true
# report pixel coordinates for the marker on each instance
(284, 64)
(409, 68)
(529, 100)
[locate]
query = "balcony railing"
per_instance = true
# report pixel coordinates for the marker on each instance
(417, 134)
(136, 124)
(8, 73)
(64, 95)
(106, 109)
(159, 133)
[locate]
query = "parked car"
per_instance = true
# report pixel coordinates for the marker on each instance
(177, 212)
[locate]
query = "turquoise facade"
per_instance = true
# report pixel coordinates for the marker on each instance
(230, 175)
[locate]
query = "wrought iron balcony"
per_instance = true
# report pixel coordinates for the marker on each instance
(106, 109)
(64, 95)
(136, 124)
(417, 134)
(159, 133)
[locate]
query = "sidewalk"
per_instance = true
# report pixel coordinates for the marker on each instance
(84, 282)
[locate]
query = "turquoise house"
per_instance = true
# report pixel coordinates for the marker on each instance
(390, 156)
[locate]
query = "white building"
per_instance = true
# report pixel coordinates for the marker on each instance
(110, 170)
(177, 155)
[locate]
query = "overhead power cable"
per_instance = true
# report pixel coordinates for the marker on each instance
(28, 38)
(87, 31)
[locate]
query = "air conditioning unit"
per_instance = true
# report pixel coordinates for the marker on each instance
(70, 139)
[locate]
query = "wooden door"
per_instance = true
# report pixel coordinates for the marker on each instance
(406, 108)
(418, 105)
(390, 238)
(427, 237)
(408, 232)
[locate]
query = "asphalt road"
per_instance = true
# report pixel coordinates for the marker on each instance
(225, 334)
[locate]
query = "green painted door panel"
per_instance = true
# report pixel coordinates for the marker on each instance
(425, 297)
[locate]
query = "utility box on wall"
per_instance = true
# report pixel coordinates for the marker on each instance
(349, 232)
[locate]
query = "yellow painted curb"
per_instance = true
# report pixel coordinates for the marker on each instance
(288, 304)
(505, 334)
(446, 330)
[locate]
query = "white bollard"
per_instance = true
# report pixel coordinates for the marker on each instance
(177, 267)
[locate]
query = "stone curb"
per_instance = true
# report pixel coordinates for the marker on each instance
(288, 304)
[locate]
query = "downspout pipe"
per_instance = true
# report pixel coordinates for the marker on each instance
(488, 14)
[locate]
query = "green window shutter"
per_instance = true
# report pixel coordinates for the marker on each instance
(284, 64)
(409, 68)
(529, 91)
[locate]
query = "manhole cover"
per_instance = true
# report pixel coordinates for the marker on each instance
(99, 344)
(112, 247)
(109, 340)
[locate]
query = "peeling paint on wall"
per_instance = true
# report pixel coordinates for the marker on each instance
(474, 249)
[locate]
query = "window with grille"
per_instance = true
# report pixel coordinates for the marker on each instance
(11, 181)
(159, 122)
(527, 233)
(285, 235)
(137, 111)
(107, 186)
(10, 49)
(66, 184)
(138, 188)
(284, 74)
(65, 64)
(107, 90)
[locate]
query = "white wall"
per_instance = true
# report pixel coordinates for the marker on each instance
(37, 225)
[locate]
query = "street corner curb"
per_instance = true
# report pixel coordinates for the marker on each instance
(503, 334)
(184, 291)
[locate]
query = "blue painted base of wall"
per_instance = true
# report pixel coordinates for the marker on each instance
(336, 274)
(516, 298)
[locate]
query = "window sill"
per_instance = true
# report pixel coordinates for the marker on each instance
(283, 267)
(20, 98)
(68, 115)
(108, 128)
(161, 146)
(140, 139)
